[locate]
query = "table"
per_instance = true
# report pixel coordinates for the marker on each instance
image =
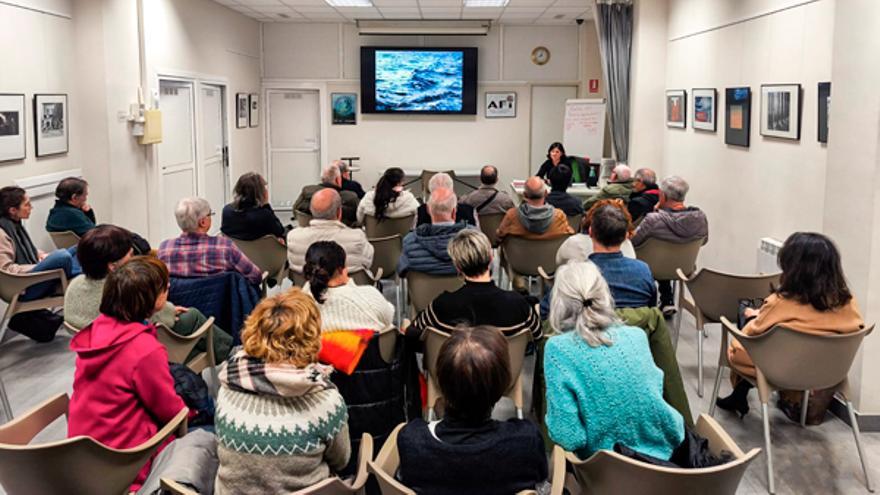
(580, 191)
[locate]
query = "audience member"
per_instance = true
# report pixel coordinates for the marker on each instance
(347, 183)
(812, 297)
(603, 388)
(488, 199)
(555, 156)
(197, 254)
(645, 193)
(463, 212)
(123, 392)
(560, 178)
(425, 248)
(389, 199)
(326, 210)
(450, 456)
(331, 178)
(250, 216)
(620, 186)
(71, 211)
(672, 221)
(480, 301)
(101, 251)
(281, 424)
(579, 247)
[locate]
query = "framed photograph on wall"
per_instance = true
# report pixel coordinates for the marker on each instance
(824, 108)
(344, 108)
(705, 109)
(500, 105)
(676, 108)
(781, 111)
(737, 116)
(254, 113)
(12, 141)
(242, 110)
(51, 124)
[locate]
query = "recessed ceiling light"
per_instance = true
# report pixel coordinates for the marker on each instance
(485, 3)
(349, 3)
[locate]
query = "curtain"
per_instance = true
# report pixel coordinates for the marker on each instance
(614, 22)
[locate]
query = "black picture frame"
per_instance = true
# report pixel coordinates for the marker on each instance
(242, 110)
(737, 116)
(13, 133)
(676, 108)
(824, 106)
(51, 124)
(710, 125)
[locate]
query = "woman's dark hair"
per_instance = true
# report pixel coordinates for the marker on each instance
(323, 260)
(557, 146)
(385, 193)
(101, 246)
(249, 191)
(473, 371)
(70, 187)
(11, 197)
(131, 291)
(811, 272)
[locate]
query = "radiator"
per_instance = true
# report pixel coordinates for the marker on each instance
(768, 248)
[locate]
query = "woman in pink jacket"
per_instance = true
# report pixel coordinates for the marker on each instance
(123, 392)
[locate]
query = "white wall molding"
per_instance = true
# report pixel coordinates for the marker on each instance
(24, 5)
(41, 185)
(743, 19)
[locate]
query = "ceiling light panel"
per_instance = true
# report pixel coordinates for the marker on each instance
(485, 3)
(350, 3)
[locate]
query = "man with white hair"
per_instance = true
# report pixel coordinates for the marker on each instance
(620, 185)
(347, 183)
(645, 194)
(463, 212)
(197, 254)
(425, 248)
(331, 178)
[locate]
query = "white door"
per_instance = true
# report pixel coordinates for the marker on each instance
(212, 170)
(294, 144)
(548, 116)
(177, 152)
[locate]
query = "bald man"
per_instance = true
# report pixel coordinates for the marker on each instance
(620, 186)
(331, 178)
(488, 199)
(424, 249)
(326, 225)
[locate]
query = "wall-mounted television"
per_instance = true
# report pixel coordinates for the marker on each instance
(418, 80)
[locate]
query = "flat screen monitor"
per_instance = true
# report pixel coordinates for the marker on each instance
(419, 80)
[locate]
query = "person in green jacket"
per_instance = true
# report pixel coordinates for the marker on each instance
(71, 211)
(619, 186)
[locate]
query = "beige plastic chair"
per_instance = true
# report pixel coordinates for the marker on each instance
(389, 226)
(335, 485)
(386, 255)
(174, 488)
(607, 472)
(302, 219)
(423, 288)
(516, 347)
(786, 359)
(268, 254)
(13, 284)
(179, 346)
(73, 465)
(528, 256)
(575, 222)
(666, 258)
(64, 240)
(387, 343)
(5, 407)
(716, 294)
(489, 224)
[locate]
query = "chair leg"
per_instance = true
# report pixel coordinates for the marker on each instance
(765, 412)
(519, 413)
(858, 437)
(699, 362)
(715, 390)
(7, 409)
(4, 323)
(804, 404)
(431, 414)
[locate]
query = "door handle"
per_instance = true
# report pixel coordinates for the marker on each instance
(226, 156)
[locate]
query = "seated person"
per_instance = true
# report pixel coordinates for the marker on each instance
(389, 199)
(555, 156)
(645, 194)
(560, 178)
(480, 301)
(197, 254)
(620, 186)
(603, 388)
(463, 213)
(580, 246)
(326, 225)
(281, 424)
(123, 392)
(488, 199)
(330, 178)
(452, 456)
(424, 249)
(250, 216)
(347, 183)
(101, 251)
(672, 221)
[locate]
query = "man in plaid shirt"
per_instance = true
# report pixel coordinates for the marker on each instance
(197, 254)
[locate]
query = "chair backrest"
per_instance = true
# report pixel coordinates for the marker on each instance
(336, 486)
(426, 179)
(489, 224)
(267, 253)
(524, 256)
(607, 472)
(386, 255)
(387, 343)
(423, 288)
(74, 465)
(11, 284)
(717, 293)
(302, 219)
(361, 277)
(376, 228)
(575, 222)
(385, 466)
(179, 346)
(64, 240)
(665, 257)
(296, 278)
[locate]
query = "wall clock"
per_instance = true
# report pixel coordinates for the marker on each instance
(540, 55)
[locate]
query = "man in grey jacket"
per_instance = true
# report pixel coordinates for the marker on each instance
(488, 199)
(425, 248)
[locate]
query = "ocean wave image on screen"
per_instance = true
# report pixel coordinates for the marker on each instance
(417, 81)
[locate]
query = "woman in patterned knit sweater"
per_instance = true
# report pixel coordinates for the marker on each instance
(281, 424)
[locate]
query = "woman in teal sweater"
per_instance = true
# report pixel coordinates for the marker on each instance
(602, 385)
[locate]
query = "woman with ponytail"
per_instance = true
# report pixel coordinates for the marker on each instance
(388, 199)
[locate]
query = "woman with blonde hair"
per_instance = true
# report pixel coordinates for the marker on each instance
(281, 424)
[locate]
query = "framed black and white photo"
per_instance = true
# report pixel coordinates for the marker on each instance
(737, 116)
(705, 109)
(676, 108)
(824, 108)
(242, 110)
(254, 114)
(12, 141)
(51, 124)
(500, 105)
(781, 111)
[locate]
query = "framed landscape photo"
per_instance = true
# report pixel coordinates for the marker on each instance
(254, 112)
(242, 110)
(344, 108)
(676, 108)
(500, 105)
(12, 143)
(737, 116)
(781, 111)
(51, 124)
(705, 109)
(824, 108)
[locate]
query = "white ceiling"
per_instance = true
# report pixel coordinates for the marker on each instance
(542, 12)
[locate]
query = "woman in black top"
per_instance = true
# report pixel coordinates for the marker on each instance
(250, 216)
(555, 156)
